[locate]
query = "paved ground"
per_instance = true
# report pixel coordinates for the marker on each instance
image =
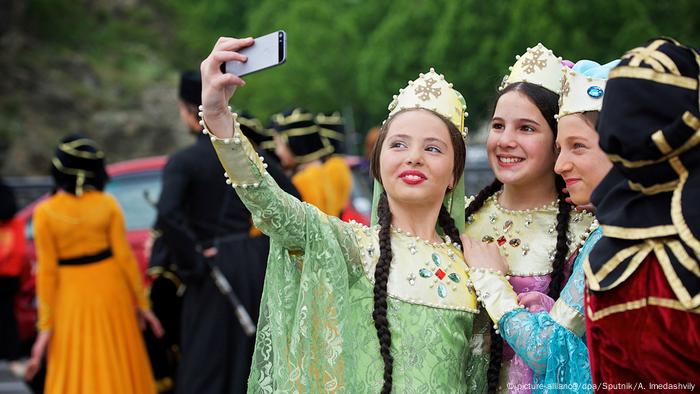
(10, 384)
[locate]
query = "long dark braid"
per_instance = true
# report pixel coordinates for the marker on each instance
(481, 197)
(562, 248)
(558, 266)
(381, 276)
(496, 352)
(447, 223)
(548, 104)
(384, 216)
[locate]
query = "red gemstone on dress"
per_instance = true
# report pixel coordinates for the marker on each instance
(501, 240)
(440, 273)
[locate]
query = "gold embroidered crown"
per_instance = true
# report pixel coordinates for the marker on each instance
(580, 93)
(431, 91)
(538, 66)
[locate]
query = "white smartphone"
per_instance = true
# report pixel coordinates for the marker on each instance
(267, 51)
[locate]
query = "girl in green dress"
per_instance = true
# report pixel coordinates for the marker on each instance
(356, 309)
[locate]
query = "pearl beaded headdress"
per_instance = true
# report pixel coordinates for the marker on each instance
(583, 87)
(538, 66)
(431, 91)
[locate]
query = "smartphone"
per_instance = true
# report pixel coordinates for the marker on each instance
(267, 51)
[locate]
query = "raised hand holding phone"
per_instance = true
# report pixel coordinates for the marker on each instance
(267, 51)
(221, 71)
(218, 87)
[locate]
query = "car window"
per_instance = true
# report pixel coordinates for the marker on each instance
(28, 229)
(137, 194)
(361, 193)
(477, 172)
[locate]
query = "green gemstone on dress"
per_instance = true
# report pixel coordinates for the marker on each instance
(442, 290)
(454, 277)
(425, 273)
(436, 259)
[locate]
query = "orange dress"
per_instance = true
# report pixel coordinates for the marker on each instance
(339, 175)
(96, 345)
(312, 186)
(326, 186)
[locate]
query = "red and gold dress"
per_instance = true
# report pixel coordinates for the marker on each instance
(640, 336)
(643, 276)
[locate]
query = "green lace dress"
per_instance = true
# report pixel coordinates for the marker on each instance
(316, 332)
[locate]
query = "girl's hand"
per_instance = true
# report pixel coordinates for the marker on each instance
(148, 317)
(482, 255)
(38, 352)
(218, 87)
(535, 301)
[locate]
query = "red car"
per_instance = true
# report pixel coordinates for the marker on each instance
(136, 184)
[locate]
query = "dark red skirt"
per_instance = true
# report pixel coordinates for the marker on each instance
(640, 338)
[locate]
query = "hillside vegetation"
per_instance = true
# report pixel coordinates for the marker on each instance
(110, 68)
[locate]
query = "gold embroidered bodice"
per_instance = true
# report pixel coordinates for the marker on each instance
(423, 273)
(527, 238)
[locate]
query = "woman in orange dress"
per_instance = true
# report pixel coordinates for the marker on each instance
(89, 288)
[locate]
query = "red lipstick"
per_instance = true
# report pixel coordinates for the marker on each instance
(412, 177)
(571, 181)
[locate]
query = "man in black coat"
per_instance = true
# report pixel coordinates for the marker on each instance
(216, 353)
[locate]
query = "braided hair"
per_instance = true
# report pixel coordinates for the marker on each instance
(384, 216)
(562, 248)
(381, 277)
(548, 104)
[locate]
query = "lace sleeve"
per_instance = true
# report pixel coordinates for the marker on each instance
(554, 353)
(274, 212)
(568, 310)
(551, 343)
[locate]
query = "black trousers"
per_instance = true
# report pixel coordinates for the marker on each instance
(9, 333)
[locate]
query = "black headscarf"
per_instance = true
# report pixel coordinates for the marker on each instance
(191, 87)
(8, 203)
(332, 127)
(650, 128)
(78, 164)
(253, 129)
(298, 127)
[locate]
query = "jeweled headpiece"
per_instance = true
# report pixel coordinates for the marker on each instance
(583, 87)
(431, 91)
(538, 66)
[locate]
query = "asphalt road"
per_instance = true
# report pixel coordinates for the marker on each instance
(9, 384)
